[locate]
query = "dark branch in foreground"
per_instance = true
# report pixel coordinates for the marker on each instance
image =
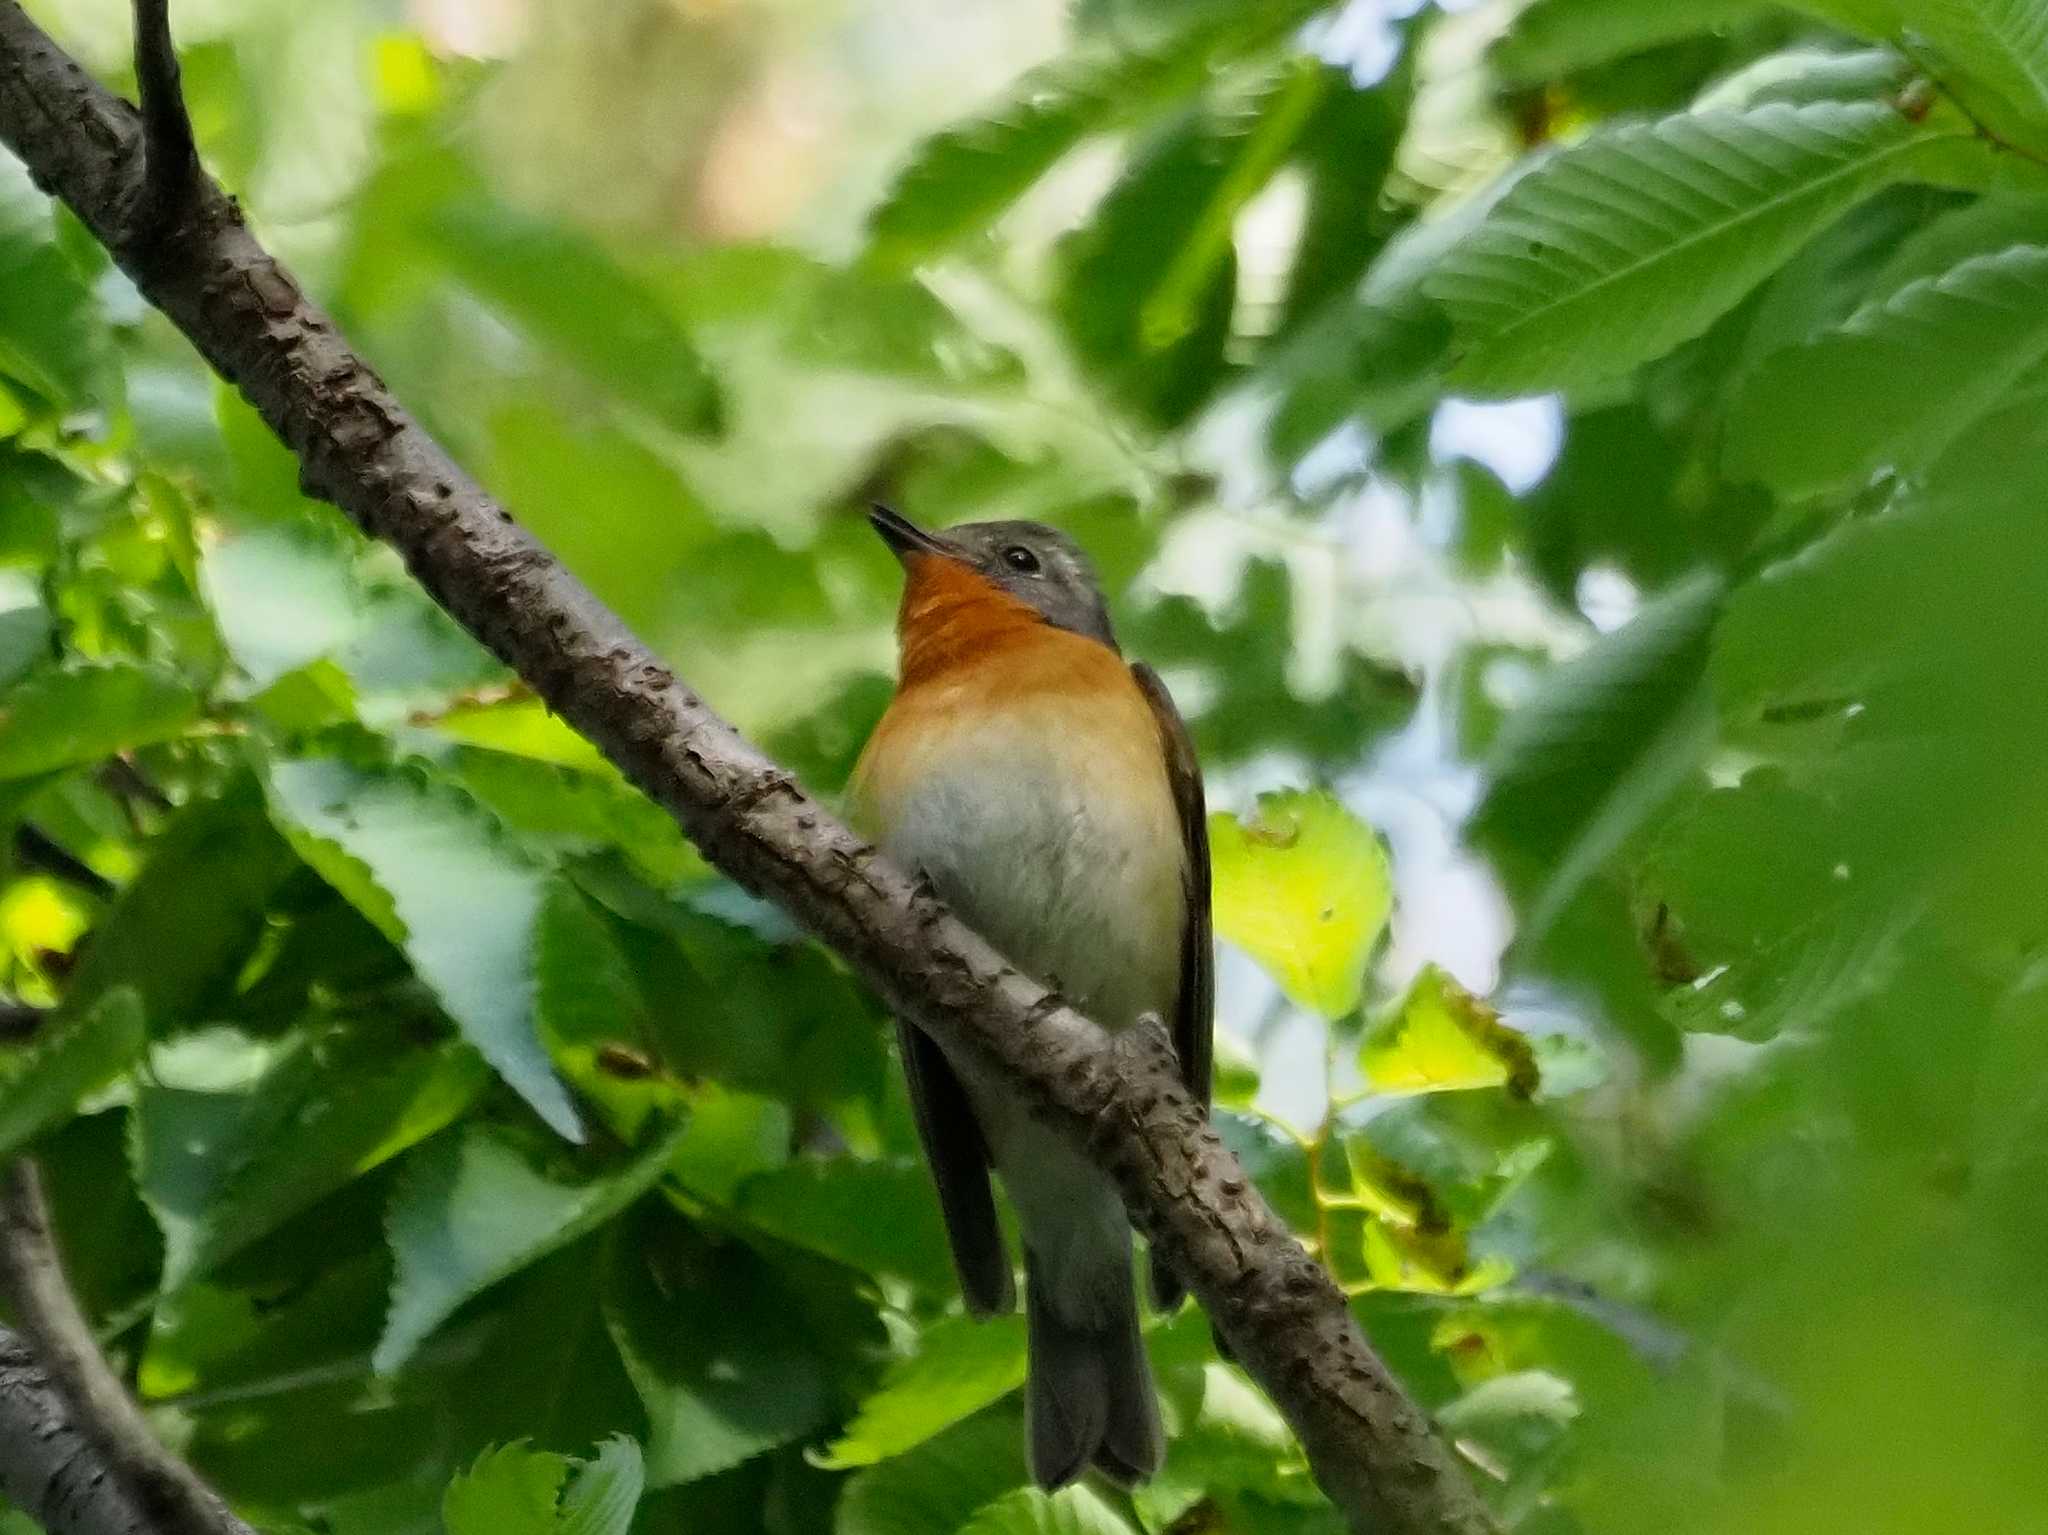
(1372, 1448)
(111, 1468)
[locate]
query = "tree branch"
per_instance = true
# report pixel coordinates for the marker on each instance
(80, 1456)
(1372, 1448)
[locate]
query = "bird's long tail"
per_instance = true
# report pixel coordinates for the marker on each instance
(1090, 1398)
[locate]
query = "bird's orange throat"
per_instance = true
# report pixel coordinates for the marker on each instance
(952, 616)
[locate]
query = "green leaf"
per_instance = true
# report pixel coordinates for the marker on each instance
(2003, 43)
(317, 1121)
(181, 929)
(51, 335)
(605, 1492)
(1440, 1038)
(299, 589)
(1601, 746)
(961, 1366)
(1027, 1511)
(1899, 381)
(24, 624)
(1304, 888)
(43, 1079)
(1150, 324)
(727, 1375)
(63, 717)
(1554, 38)
(1617, 249)
(936, 1488)
(879, 1217)
(469, 1209)
(509, 1491)
(960, 180)
(571, 296)
(444, 883)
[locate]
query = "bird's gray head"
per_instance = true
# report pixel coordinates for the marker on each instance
(1030, 561)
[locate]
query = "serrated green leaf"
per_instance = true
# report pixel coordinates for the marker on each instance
(420, 860)
(64, 717)
(296, 590)
(1027, 1511)
(43, 1078)
(1440, 1038)
(1603, 743)
(311, 1127)
(936, 1488)
(605, 1491)
(1615, 250)
(961, 1366)
(1898, 382)
(715, 1346)
(469, 1209)
(509, 1491)
(1304, 888)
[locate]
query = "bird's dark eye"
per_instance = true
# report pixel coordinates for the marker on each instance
(1021, 560)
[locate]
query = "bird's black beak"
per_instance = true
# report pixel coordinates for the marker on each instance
(902, 535)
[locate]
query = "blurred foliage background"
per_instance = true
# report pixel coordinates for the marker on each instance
(1579, 465)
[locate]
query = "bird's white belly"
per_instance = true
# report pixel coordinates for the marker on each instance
(1075, 878)
(1071, 866)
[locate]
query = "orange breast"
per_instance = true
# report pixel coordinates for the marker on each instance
(1020, 767)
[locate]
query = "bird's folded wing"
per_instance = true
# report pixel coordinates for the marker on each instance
(958, 1156)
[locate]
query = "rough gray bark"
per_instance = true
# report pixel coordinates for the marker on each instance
(74, 1449)
(47, 1466)
(1372, 1448)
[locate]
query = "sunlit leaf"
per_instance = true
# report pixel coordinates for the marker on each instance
(1439, 1038)
(509, 1491)
(961, 1366)
(1027, 1511)
(1304, 888)
(937, 1487)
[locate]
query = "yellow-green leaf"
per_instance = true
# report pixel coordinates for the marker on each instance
(1440, 1038)
(1303, 887)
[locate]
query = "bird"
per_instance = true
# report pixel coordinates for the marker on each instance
(1048, 790)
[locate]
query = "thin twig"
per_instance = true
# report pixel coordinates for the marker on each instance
(170, 159)
(173, 1498)
(36, 849)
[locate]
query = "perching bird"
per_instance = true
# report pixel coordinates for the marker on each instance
(1049, 792)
